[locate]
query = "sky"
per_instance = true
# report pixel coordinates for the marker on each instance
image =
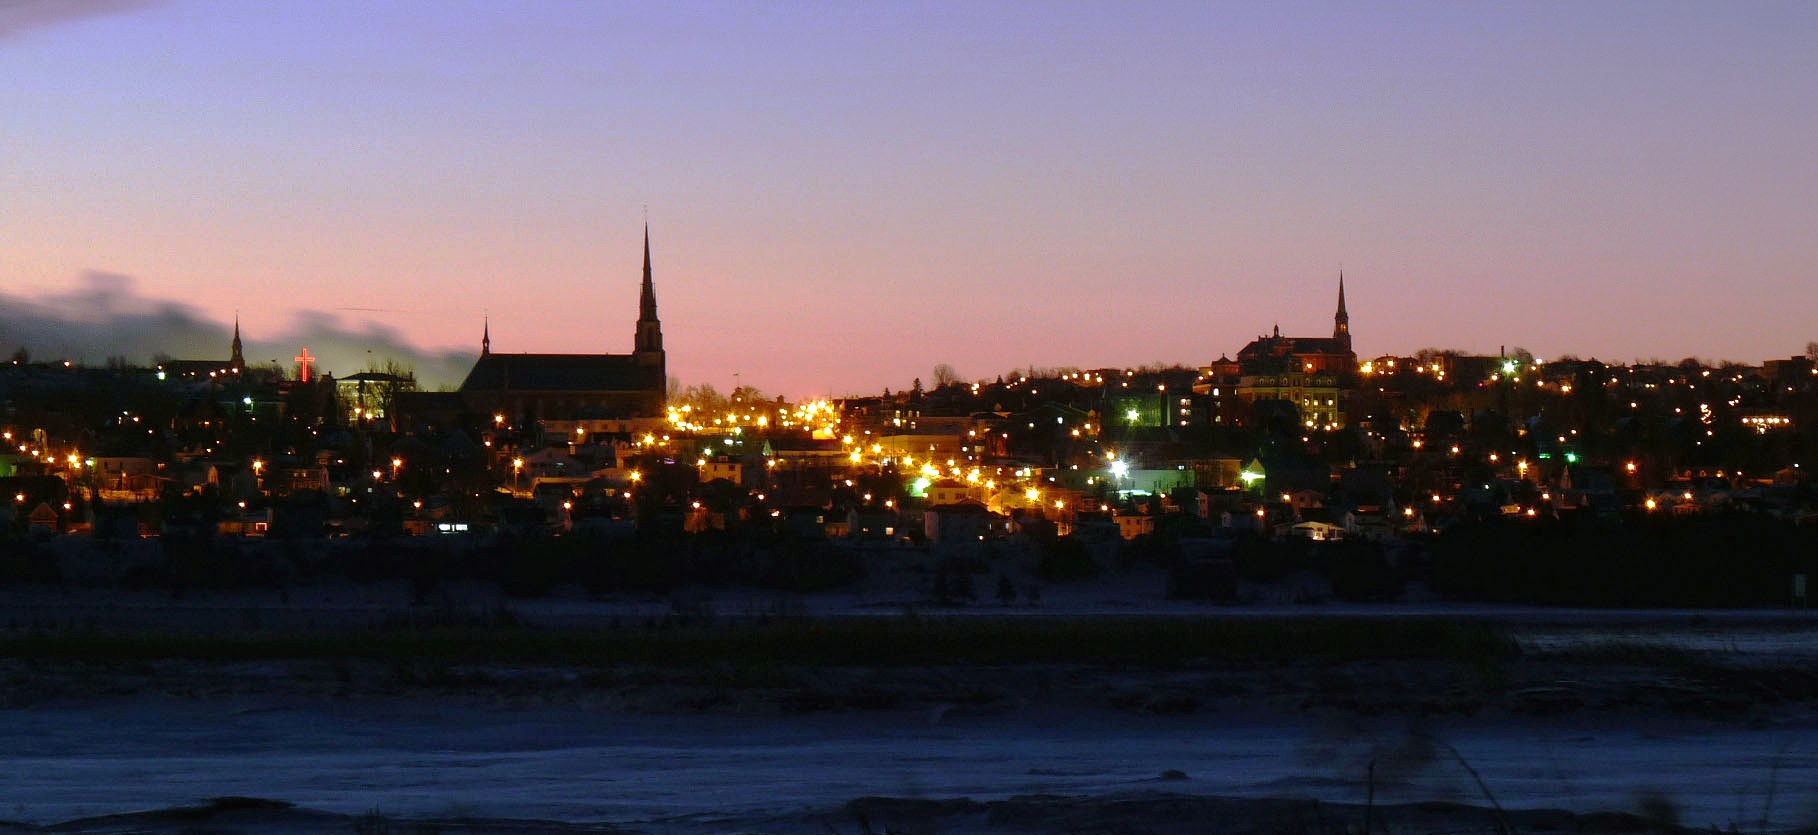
(842, 195)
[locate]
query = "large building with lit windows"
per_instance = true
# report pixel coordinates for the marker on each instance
(1316, 397)
(533, 387)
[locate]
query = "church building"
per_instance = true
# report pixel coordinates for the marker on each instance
(531, 387)
(220, 371)
(1306, 354)
(1298, 378)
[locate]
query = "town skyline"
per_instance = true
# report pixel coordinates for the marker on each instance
(851, 196)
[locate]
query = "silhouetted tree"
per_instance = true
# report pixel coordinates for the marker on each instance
(945, 375)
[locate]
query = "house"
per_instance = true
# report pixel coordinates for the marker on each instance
(1289, 472)
(802, 521)
(798, 454)
(920, 446)
(231, 479)
(1248, 518)
(965, 521)
(286, 479)
(1133, 525)
(1377, 523)
(253, 523)
(872, 523)
(1318, 531)
(724, 467)
(1153, 480)
(114, 470)
(953, 491)
(127, 479)
(551, 465)
(43, 518)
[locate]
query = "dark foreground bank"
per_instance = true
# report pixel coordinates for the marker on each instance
(1152, 812)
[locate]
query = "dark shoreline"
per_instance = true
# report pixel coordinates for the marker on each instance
(1145, 665)
(1156, 812)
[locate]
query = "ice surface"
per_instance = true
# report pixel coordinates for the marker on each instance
(416, 759)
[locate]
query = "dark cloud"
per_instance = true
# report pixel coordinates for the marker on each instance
(106, 317)
(20, 16)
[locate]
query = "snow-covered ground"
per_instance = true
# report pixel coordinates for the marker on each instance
(684, 773)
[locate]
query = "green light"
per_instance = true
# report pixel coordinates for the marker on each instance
(1249, 477)
(1571, 458)
(919, 487)
(1133, 415)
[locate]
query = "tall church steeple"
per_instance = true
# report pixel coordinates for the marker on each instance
(649, 345)
(238, 361)
(486, 336)
(1341, 322)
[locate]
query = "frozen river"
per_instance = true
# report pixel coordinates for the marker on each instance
(697, 773)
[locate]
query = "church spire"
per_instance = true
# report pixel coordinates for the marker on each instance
(485, 336)
(1341, 322)
(649, 345)
(238, 360)
(647, 303)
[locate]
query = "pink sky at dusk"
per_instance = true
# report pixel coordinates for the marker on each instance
(842, 196)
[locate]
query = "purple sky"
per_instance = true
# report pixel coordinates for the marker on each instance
(844, 194)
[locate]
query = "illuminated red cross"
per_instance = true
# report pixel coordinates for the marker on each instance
(303, 362)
